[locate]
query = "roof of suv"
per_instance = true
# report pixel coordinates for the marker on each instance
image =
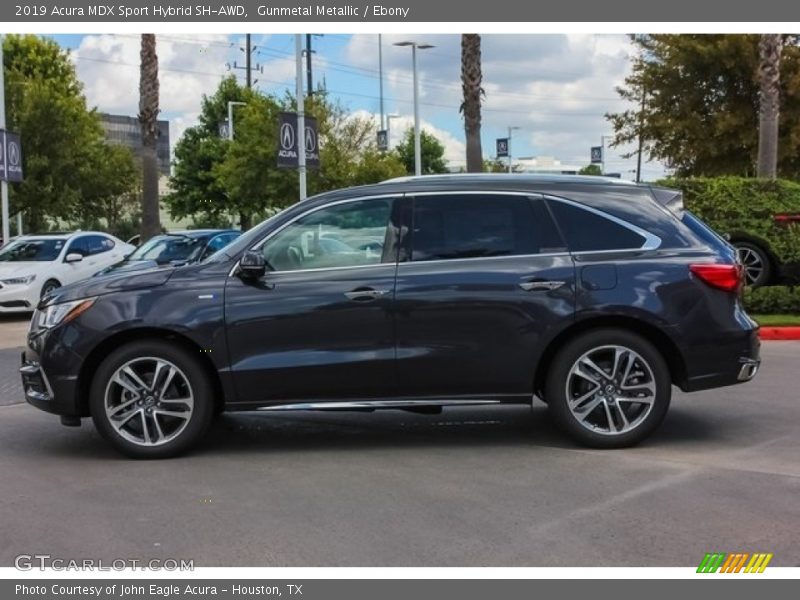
(510, 178)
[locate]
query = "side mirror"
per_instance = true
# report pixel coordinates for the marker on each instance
(73, 257)
(252, 265)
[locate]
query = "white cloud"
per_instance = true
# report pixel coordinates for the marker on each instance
(557, 88)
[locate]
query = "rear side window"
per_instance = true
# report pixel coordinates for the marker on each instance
(586, 231)
(473, 226)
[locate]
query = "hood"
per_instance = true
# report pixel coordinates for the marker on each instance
(126, 266)
(109, 284)
(14, 268)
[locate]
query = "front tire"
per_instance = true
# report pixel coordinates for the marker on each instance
(608, 388)
(151, 399)
(49, 286)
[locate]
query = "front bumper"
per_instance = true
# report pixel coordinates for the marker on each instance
(50, 388)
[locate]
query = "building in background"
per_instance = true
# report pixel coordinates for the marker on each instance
(544, 164)
(126, 131)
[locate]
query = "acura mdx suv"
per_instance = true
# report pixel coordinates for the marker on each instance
(594, 295)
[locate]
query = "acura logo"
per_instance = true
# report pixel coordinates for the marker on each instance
(13, 153)
(311, 140)
(287, 136)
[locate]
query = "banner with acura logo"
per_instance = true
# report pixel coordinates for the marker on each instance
(288, 138)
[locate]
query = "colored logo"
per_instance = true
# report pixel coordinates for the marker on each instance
(736, 562)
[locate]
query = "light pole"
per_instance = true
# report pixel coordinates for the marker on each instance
(301, 119)
(510, 129)
(231, 104)
(417, 143)
(6, 233)
(603, 139)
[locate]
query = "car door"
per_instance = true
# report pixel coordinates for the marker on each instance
(318, 325)
(76, 270)
(483, 278)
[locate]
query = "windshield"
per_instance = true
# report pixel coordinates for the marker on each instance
(41, 250)
(164, 249)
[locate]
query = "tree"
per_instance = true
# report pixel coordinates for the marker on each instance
(590, 170)
(64, 148)
(471, 78)
(432, 152)
(196, 189)
(700, 113)
(148, 119)
(213, 177)
(769, 80)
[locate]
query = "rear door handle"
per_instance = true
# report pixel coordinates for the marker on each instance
(532, 286)
(365, 294)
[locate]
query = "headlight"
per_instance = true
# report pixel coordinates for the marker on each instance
(56, 314)
(25, 280)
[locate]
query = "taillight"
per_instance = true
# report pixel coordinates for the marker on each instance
(723, 277)
(786, 218)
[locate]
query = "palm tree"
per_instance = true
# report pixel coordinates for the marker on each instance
(769, 79)
(471, 79)
(148, 119)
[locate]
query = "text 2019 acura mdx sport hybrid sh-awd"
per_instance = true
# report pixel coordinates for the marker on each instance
(594, 295)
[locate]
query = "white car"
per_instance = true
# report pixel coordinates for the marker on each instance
(33, 265)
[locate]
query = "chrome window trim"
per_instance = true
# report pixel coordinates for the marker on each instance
(472, 258)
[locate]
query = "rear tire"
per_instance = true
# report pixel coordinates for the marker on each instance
(756, 262)
(608, 388)
(151, 399)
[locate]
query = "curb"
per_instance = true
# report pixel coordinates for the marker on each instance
(779, 333)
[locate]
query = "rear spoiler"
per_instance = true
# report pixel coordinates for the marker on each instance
(670, 199)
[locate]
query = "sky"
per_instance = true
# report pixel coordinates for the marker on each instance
(555, 88)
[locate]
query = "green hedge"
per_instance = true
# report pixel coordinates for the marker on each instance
(741, 206)
(772, 300)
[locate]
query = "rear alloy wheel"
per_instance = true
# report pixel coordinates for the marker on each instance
(757, 267)
(151, 399)
(608, 389)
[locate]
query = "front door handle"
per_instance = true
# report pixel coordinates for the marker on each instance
(365, 294)
(532, 286)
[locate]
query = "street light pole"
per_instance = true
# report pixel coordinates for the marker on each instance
(301, 118)
(603, 139)
(380, 77)
(417, 140)
(510, 129)
(231, 104)
(4, 183)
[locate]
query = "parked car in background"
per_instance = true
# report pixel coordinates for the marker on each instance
(31, 266)
(761, 218)
(593, 294)
(175, 249)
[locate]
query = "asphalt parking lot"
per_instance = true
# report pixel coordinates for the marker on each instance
(489, 487)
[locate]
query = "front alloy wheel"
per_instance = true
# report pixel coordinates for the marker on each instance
(608, 388)
(151, 399)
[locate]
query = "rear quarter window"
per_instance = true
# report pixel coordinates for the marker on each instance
(587, 231)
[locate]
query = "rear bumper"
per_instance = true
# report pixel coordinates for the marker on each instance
(734, 358)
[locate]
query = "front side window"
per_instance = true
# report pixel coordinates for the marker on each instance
(343, 235)
(472, 226)
(586, 231)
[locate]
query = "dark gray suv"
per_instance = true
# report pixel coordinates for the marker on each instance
(416, 294)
